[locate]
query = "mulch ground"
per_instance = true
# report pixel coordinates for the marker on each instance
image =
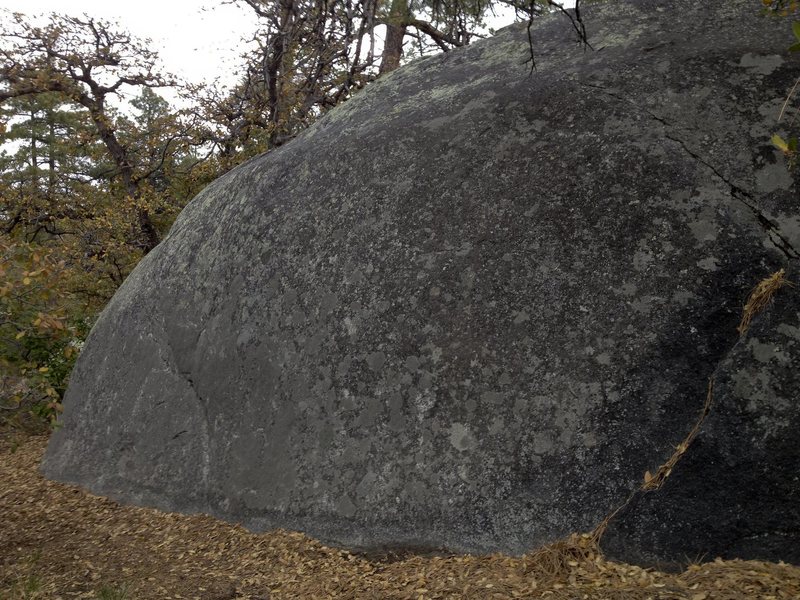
(57, 541)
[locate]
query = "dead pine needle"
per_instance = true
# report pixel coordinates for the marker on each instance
(760, 297)
(758, 300)
(654, 482)
(556, 560)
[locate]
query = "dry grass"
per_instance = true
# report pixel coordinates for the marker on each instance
(653, 482)
(760, 298)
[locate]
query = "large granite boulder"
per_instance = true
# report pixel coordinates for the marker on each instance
(471, 307)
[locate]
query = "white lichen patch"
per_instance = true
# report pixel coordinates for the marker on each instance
(461, 438)
(761, 65)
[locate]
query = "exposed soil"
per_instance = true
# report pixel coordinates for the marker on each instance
(57, 541)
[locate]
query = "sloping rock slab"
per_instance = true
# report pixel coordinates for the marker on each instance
(471, 307)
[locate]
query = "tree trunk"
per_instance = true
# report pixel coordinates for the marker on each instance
(276, 69)
(120, 156)
(151, 237)
(399, 15)
(34, 155)
(51, 155)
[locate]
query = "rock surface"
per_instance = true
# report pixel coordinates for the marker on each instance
(471, 307)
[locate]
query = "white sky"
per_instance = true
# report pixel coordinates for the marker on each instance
(197, 40)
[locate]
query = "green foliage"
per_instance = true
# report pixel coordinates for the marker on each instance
(42, 326)
(796, 30)
(29, 588)
(787, 146)
(87, 188)
(781, 7)
(113, 593)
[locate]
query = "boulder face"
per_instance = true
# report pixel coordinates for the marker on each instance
(471, 307)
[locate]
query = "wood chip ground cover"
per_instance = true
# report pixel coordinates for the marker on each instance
(57, 541)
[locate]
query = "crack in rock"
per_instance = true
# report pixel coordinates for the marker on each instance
(185, 376)
(738, 193)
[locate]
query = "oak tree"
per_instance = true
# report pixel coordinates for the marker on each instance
(87, 63)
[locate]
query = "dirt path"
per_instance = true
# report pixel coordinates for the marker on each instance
(57, 541)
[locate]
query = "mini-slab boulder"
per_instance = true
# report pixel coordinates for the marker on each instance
(473, 306)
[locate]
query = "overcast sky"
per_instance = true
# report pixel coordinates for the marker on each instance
(198, 40)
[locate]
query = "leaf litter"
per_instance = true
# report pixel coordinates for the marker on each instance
(59, 542)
